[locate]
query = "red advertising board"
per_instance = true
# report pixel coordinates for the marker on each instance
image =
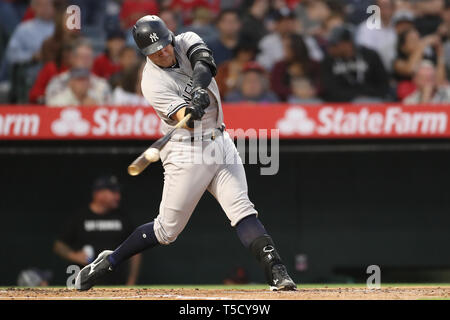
(330, 121)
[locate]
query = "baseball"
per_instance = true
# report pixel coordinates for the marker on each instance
(152, 154)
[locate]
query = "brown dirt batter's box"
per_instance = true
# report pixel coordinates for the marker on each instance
(387, 293)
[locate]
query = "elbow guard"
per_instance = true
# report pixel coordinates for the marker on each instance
(200, 52)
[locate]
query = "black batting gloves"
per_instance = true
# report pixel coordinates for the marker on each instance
(200, 98)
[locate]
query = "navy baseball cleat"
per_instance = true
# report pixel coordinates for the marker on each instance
(281, 281)
(89, 275)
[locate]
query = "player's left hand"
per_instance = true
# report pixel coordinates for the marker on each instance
(200, 98)
(196, 112)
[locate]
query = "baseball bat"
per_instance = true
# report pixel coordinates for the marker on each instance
(152, 153)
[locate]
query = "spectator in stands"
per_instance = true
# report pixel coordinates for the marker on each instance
(128, 92)
(112, 15)
(232, 4)
(357, 10)
(23, 58)
(411, 50)
(79, 91)
(296, 63)
(132, 10)
(62, 36)
(305, 13)
(228, 25)
(382, 39)
(333, 21)
(128, 59)
(26, 41)
(313, 13)
(201, 23)
(271, 45)
(55, 56)
(253, 86)
(229, 72)
(404, 5)
(184, 9)
(428, 90)
(48, 72)
(444, 33)
(107, 63)
(11, 13)
(302, 91)
(253, 27)
(170, 20)
(352, 73)
(59, 88)
(93, 17)
(428, 16)
(96, 227)
(402, 20)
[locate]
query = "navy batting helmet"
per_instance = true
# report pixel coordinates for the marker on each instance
(151, 34)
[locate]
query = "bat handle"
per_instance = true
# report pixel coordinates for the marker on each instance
(183, 121)
(138, 165)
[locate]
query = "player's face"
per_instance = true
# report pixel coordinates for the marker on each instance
(164, 58)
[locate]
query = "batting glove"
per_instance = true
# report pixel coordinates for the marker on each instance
(197, 113)
(200, 98)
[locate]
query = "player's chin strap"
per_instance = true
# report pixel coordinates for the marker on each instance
(264, 250)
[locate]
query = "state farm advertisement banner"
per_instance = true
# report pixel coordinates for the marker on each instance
(242, 120)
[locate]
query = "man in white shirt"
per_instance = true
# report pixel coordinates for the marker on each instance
(81, 90)
(59, 91)
(383, 40)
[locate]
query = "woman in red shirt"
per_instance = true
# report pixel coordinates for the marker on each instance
(106, 64)
(296, 63)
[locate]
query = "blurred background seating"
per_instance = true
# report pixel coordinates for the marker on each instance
(33, 35)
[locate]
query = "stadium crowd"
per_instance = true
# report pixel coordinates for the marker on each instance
(297, 51)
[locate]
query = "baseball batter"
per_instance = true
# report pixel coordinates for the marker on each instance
(178, 79)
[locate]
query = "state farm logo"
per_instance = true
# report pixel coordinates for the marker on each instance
(70, 122)
(106, 122)
(336, 121)
(296, 121)
(19, 124)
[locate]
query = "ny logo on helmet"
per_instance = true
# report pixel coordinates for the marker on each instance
(154, 37)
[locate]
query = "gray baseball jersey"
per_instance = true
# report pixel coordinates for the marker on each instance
(168, 89)
(185, 177)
